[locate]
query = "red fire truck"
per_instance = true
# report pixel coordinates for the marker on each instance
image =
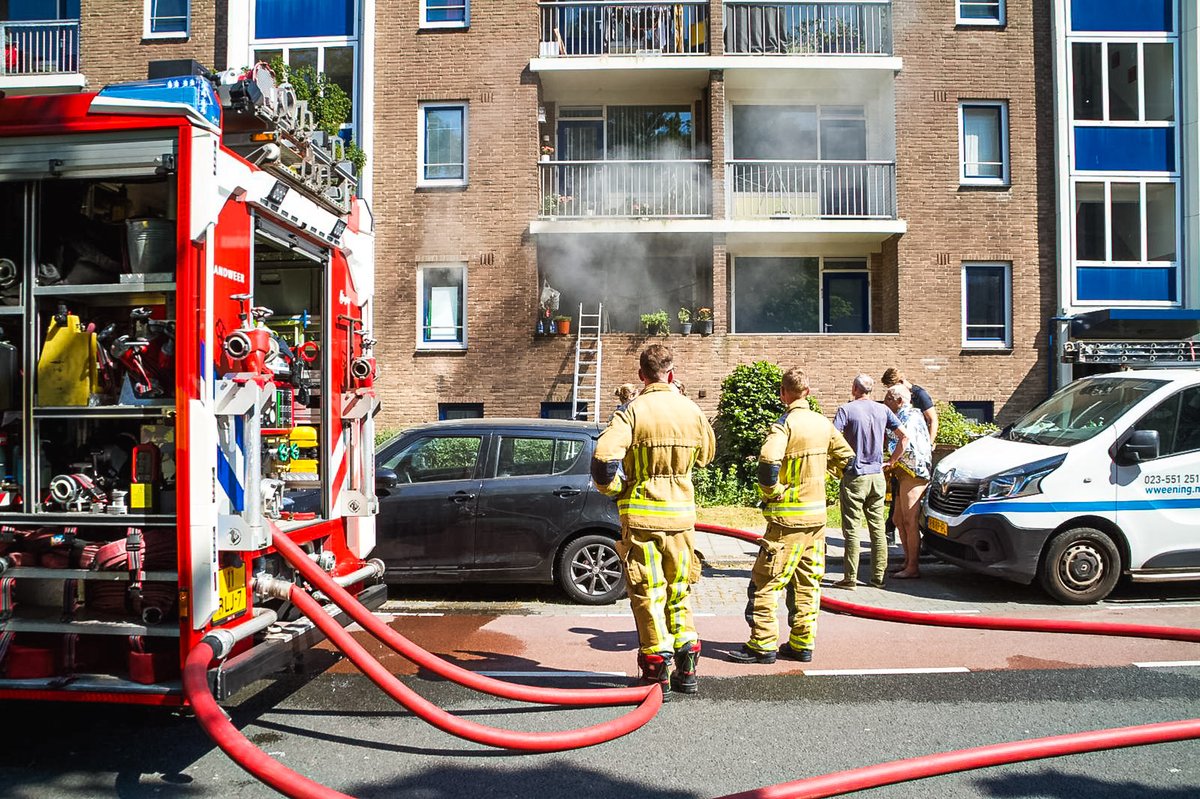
(186, 373)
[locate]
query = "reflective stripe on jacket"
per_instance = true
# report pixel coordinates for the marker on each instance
(800, 447)
(654, 441)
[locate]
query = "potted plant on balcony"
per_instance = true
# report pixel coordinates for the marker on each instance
(555, 204)
(704, 321)
(547, 151)
(562, 325)
(685, 321)
(657, 323)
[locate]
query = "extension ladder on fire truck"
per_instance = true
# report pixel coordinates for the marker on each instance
(585, 387)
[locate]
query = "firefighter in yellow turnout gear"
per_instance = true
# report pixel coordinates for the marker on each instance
(644, 459)
(800, 447)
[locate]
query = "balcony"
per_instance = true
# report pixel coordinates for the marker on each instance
(753, 27)
(812, 189)
(41, 55)
(637, 28)
(662, 189)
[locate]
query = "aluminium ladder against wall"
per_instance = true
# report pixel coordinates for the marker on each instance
(585, 386)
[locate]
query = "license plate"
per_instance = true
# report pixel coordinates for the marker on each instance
(937, 526)
(231, 593)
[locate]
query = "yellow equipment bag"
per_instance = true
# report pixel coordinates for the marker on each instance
(67, 370)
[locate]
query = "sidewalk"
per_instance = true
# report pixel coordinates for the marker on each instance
(722, 550)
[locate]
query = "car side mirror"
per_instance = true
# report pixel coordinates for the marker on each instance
(385, 479)
(1143, 445)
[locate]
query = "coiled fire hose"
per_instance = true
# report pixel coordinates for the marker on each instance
(916, 768)
(311, 572)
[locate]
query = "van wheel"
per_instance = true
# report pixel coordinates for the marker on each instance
(589, 571)
(1081, 566)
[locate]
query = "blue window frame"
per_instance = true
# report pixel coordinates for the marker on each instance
(459, 410)
(295, 19)
(445, 13)
(167, 18)
(443, 144)
(987, 306)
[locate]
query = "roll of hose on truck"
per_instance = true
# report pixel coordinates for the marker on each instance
(1100, 480)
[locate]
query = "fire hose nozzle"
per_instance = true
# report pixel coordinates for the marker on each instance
(362, 368)
(237, 345)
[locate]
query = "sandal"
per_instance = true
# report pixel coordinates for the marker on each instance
(905, 576)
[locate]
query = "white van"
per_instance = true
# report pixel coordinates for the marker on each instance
(1102, 479)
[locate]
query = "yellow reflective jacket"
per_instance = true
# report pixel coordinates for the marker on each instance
(800, 447)
(646, 455)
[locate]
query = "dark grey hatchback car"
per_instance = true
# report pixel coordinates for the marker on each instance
(497, 500)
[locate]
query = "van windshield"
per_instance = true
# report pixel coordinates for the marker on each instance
(1081, 410)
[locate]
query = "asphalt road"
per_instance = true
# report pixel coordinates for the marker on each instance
(747, 729)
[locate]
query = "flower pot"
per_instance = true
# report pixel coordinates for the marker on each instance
(563, 326)
(704, 327)
(545, 159)
(685, 328)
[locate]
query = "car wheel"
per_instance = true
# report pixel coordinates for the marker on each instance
(1081, 566)
(590, 572)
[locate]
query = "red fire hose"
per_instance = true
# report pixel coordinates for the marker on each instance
(447, 722)
(916, 768)
(296, 557)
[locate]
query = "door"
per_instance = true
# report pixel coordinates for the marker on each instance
(844, 140)
(579, 140)
(427, 520)
(536, 496)
(846, 303)
(1157, 500)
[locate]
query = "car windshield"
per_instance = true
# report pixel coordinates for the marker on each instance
(1081, 410)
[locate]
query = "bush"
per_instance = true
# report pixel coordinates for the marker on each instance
(955, 430)
(721, 486)
(748, 405)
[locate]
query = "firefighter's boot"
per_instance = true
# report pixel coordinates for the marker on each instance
(656, 669)
(683, 679)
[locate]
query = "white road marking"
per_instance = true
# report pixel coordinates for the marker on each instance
(1166, 664)
(855, 672)
(553, 673)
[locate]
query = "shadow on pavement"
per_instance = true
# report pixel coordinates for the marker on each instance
(551, 780)
(1052, 784)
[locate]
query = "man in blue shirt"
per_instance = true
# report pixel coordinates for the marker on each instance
(865, 423)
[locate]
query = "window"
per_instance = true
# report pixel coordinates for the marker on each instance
(1122, 15)
(980, 12)
(1128, 220)
(166, 19)
(442, 145)
(987, 306)
(1123, 81)
(436, 458)
(445, 13)
(800, 295)
(980, 412)
(336, 62)
(522, 457)
(459, 410)
(443, 297)
(301, 19)
(1177, 420)
(562, 410)
(983, 130)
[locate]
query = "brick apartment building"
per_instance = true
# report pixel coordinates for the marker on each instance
(848, 186)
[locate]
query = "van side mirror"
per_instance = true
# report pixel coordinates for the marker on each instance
(385, 479)
(1143, 445)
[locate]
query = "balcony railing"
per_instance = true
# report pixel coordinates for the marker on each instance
(41, 48)
(635, 27)
(812, 189)
(616, 189)
(813, 28)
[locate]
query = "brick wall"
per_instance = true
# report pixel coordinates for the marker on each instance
(916, 278)
(112, 49)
